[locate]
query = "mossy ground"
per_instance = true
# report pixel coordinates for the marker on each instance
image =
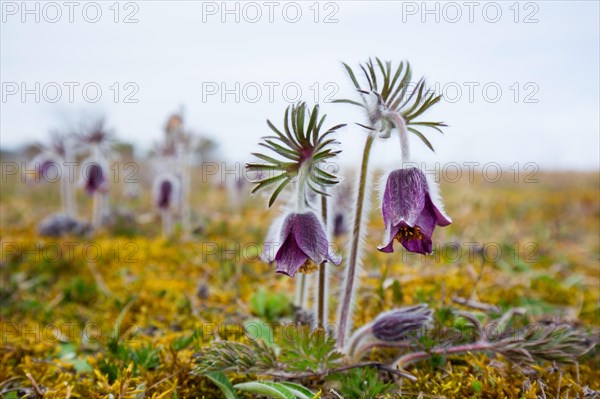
(128, 323)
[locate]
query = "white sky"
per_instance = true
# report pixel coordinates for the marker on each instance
(177, 50)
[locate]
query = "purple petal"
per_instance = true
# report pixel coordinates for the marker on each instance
(389, 248)
(428, 218)
(442, 220)
(426, 223)
(310, 236)
(404, 196)
(334, 258)
(423, 246)
(290, 257)
(95, 179)
(287, 226)
(45, 167)
(165, 194)
(272, 242)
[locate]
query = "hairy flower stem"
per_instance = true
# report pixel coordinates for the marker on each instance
(97, 198)
(349, 289)
(302, 283)
(186, 220)
(167, 223)
(67, 187)
(321, 297)
(64, 195)
(96, 210)
(301, 291)
(407, 359)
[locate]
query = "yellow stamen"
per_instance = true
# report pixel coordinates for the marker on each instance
(308, 267)
(409, 233)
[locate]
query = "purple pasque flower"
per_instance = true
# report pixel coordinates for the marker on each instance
(409, 212)
(94, 177)
(165, 194)
(45, 167)
(165, 190)
(304, 245)
(43, 164)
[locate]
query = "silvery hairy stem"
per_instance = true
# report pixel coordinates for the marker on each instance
(354, 252)
(321, 299)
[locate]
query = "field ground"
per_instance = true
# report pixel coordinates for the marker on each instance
(127, 324)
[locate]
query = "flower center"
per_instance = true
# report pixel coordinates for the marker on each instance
(409, 234)
(308, 267)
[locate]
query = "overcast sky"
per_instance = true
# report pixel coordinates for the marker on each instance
(521, 80)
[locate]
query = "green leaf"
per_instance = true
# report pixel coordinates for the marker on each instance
(433, 125)
(333, 129)
(267, 158)
(320, 124)
(324, 174)
(82, 366)
(311, 124)
(419, 91)
(367, 76)
(276, 131)
(315, 189)
(298, 390)
(258, 329)
(259, 166)
(386, 77)
(365, 126)
(300, 111)
(348, 102)
(373, 76)
(423, 138)
(397, 293)
(402, 87)
(281, 151)
(278, 191)
(270, 389)
(182, 342)
(286, 126)
(393, 83)
(271, 180)
(351, 74)
(221, 380)
(426, 105)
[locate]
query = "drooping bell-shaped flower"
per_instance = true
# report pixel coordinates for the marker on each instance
(304, 244)
(94, 178)
(165, 194)
(409, 212)
(43, 165)
(165, 190)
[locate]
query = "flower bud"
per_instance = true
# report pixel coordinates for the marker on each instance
(397, 324)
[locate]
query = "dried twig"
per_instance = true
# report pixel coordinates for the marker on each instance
(36, 388)
(476, 304)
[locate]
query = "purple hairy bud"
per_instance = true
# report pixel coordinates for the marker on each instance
(397, 324)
